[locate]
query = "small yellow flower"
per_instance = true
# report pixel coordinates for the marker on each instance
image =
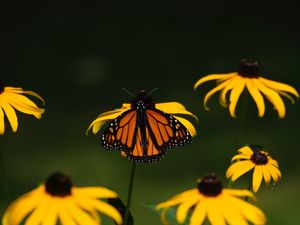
(248, 77)
(253, 157)
(12, 99)
(57, 202)
(219, 205)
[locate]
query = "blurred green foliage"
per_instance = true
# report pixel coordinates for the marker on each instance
(78, 57)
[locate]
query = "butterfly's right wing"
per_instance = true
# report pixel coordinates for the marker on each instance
(121, 132)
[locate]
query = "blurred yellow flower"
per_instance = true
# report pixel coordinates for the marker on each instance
(12, 99)
(210, 200)
(248, 77)
(253, 157)
(57, 202)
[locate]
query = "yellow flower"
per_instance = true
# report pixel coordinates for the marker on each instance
(253, 157)
(144, 131)
(248, 77)
(57, 201)
(12, 99)
(167, 107)
(219, 205)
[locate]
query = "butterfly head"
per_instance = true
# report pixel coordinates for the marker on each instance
(143, 99)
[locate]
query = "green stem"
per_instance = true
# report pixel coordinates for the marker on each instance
(241, 127)
(249, 188)
(129, 194)
(242, 118)
(3, 175)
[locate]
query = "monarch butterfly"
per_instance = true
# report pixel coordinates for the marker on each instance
(143, 132)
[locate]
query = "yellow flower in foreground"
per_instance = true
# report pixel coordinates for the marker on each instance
(12, 99)
(57, 202)
(253, 157)
(248, 77)
(219, 205)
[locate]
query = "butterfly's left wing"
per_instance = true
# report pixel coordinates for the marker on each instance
(121, 132)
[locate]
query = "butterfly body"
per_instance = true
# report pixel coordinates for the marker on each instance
(143, 132)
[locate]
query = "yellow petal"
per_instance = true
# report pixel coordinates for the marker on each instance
(20, 91)
(240, 157)
(214, 215)
(286, 95)
(257, 177)
(182, 197)
(52, 215)
(174, 201)
(188, 125)
(246, 150)
(238, 169)
(230, 211)
(234, 96)
(256, 95)
(272, 162)
(103, 118)
(11, 115)
(239, 193)
(94, 192)
(107, 210)
(213, 91)
(82, 202)
(183, 210)
(64, 216)
(174, 108)
(80, 216)
(272, 96)
(250, 212)
(20, 208)
(266, 174)
(2, 125)
(198, 214)
(275, 172)
(38, 213)
(213, 77)
(23, 104)
(163, 217)
(222, 98)
(189, 193)
(279, 86)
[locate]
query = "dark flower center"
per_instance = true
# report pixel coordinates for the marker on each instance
(259, 157)
(249, 68)
(58, 184)
(210, 185)
(1, 87)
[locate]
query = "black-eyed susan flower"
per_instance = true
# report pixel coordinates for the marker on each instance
(210, 200)
(143, 130)
(248, 77)
(58, 202)
(253, 157)
(12, 99)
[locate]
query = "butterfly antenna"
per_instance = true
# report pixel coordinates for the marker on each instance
(155, 89)
(128, 92)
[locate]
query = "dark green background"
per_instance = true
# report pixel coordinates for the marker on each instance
(78, 57)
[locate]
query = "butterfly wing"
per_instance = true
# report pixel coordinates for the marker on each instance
(166, 131)
(142, 154)
(121, 132)
(163, 132)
